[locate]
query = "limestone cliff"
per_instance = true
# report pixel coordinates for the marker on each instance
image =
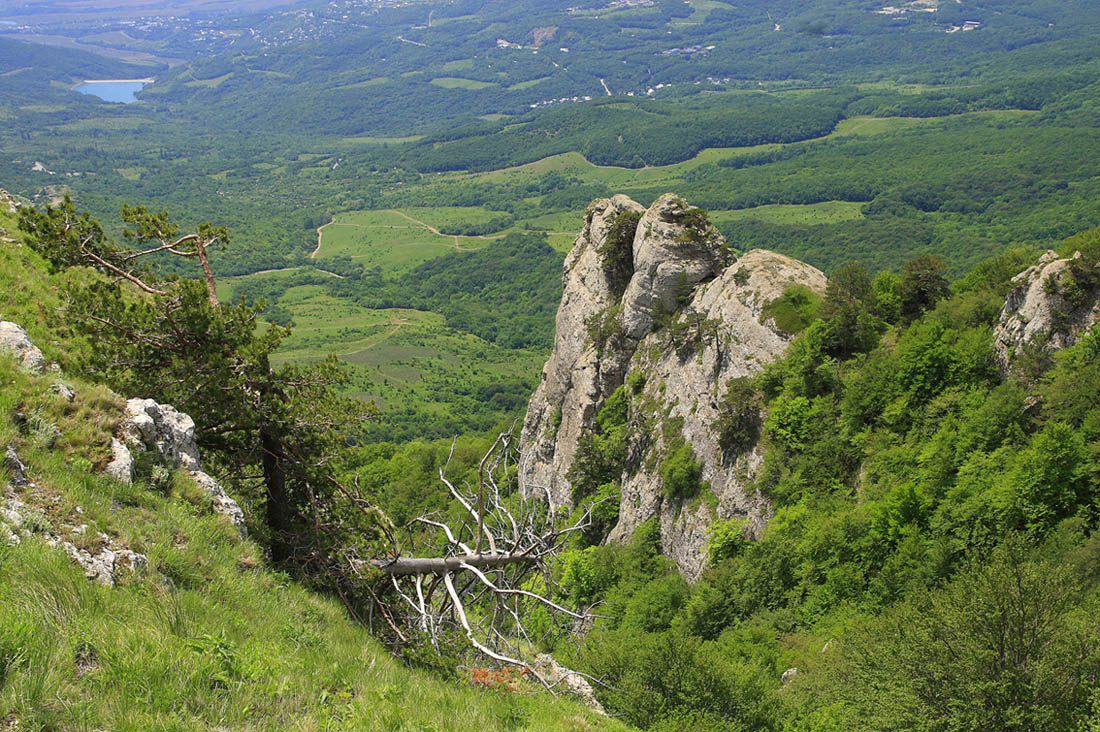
(1053, 304)
(668, 309)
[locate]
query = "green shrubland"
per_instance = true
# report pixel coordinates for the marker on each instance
(929, 564)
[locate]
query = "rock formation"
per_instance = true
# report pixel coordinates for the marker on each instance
(160, 428)
(690, 319)
(1049, 309)
(14, 340)
(19, 520)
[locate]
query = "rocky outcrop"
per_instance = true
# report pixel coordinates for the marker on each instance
(563, 678)
(690, 319)
(1048, 309)
(19, 521)
(14, 340)
(164, 430)
(674, 249)
(577, 378)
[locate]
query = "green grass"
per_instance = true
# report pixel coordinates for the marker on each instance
(394, 354)
(209, 638)
(397, 242)
(527, 84)
(454, 82)
(381, 140)
(105, 123)
(829, 212)
(211, 83)
(132, 174)
(462, 64)
(369, 82)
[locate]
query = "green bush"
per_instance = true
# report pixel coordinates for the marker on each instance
(618, 250)
(725, 540)
(795, 309)
(681, 473)
(739, 417)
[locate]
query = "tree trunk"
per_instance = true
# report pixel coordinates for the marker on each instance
(207, 272)
(404, 566)
(280, 516)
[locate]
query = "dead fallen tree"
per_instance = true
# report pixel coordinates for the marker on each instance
(494, 567)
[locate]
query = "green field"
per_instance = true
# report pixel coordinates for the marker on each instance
(454, 82)
(388, 240)
(398, 357)
(397, 240)
(830, 212)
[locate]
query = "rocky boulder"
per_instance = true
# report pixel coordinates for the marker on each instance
(14, 340)
(164, 430)
(675, 248)
(690, 318)
(1048, 309)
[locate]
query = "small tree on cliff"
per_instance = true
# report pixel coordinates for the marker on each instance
(285, 428)
(173, 340)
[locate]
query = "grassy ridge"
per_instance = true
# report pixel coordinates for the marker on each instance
(209, 637)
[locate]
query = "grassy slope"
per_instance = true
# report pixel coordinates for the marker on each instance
(210, 638)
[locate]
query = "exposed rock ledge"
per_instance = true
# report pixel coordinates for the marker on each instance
(19, 521)
(678, 259)
(14, 340)
(1038, 312)
(170, 433)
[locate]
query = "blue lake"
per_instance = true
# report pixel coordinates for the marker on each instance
(112, 91)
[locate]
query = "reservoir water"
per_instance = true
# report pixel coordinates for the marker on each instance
(113, 90)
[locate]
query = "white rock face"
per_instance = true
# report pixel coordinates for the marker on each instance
(160, 427)
(14, 340)
(576, 379)
(667, 254)
(121, 467)
(223, 504)
(1037, 313)
(724, 335)
(164, 429)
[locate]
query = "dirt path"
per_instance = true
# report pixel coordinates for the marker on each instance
(437, 232)
(320, 233)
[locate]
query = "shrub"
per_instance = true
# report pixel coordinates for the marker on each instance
(725, 540)
(681, 473)
(795, 309)
(618, 250)
(738, 424)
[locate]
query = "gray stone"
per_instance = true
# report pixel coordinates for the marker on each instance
(161, 427)
(557, 675)
(64, 390)
(106, 566)
(14, 340)
(17, 468)
(7, 536)
(576, 378)
(170, 433)
(788, 676)
(1037, 314)
(121, 467)
(223, 504)
(725, 303)
(667, 255)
